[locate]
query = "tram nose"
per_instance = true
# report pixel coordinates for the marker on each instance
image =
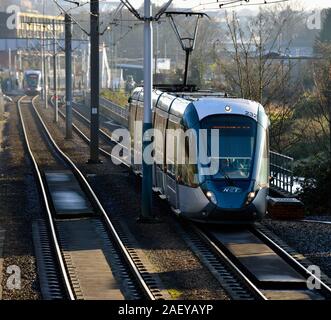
(227, 197)
(232, 200)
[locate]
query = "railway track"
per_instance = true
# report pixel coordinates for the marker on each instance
(247, 263)
(316, 221)
(92, 262)
(107, 140)
(267, 271)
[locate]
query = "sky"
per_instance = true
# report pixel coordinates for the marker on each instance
(206, 5)
(316, 4)
(309, 4)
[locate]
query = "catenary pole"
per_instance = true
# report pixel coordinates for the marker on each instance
(156, 49)
(56, 113)
(95, 82)
(10, 69)
(146, 209)
(44, 68)
(68, 63)
(45, 75)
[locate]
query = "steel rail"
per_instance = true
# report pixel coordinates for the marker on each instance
(265, 238)
(326, 293)
(296, 264)
(223, 255)
(103, 133)
(255, 290)
(87, 139)
(111, 228)
(250, 285)
(62, 267)
(315, 221)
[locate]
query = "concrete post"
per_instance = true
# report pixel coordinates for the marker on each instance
(68, 58)
(147, 182)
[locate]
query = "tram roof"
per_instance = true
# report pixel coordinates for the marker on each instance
(205, 104)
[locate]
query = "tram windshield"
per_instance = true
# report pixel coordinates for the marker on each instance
(32, 80)
(236, 143)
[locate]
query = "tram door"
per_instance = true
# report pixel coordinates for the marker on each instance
(138, 143)
(171, 165)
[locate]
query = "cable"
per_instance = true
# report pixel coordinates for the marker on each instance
(129, 6)
(72, 18)
(233, 3)
(117, 11)
(258, 4)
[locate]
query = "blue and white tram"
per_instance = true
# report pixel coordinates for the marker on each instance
(236, 192)
(32, 82)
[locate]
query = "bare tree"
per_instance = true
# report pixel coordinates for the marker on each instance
(321, 115)
(257, 70)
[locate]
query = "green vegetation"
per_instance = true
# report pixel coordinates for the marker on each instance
(296, 95)
(316, 186)
(118, 97)
(251, 58)
(175, 294)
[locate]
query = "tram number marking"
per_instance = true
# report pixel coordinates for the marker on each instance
(251, 114)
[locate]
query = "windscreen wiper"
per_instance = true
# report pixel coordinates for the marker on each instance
(228, 180)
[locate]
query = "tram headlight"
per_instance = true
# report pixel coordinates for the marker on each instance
(211, 196)
(250, 197)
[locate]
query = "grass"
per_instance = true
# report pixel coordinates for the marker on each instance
(175, 294)
(118, 97)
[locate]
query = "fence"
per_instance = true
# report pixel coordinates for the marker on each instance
(281, 169)
(114, 111)
(121, 111)
(281, 166)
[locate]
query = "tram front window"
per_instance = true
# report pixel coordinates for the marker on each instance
(32, 80)
(236, 136)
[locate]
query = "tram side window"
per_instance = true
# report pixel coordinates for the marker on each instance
(178, 142)
(187, 172)
(138, 127)
(160, 124)
(171, 147)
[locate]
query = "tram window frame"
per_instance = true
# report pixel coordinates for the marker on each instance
(161, 118)
(180, 171)
(139, 113)
(184, 175)
(173, 123)
(254, 164)
(133, 114)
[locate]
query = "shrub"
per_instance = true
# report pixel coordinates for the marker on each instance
(118, 97)
(316, 186)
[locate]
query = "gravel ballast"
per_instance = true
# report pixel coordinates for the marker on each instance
(18, 207)
(180, 271)
(313, 240)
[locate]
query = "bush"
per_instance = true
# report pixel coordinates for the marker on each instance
(118, 97)
(316, 186)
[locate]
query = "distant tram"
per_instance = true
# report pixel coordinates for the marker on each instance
(237, 192)
(32, 82)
